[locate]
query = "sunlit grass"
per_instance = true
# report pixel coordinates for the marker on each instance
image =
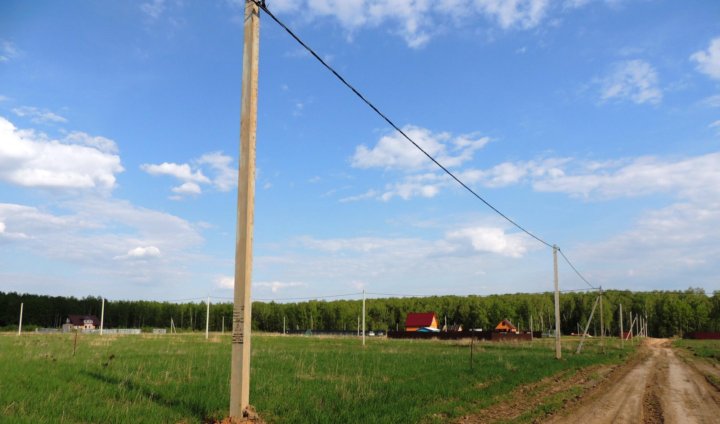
(156, 379)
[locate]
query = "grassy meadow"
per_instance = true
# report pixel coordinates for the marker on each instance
(709, 349)
(185, 378)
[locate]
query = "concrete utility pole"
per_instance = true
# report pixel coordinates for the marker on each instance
(240, 362)
(363, 319)
(207, 320)
(602, 322)
(102, 316)
(587, 326)
(283, 325)
(558, 346)
(358, 325)
(222, 331)
(20, 323)
(622, 333)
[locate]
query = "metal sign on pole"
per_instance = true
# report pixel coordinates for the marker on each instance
(558, 346)
(241, 325)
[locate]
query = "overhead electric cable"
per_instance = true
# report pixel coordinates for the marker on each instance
(262, 5)
(575, 269)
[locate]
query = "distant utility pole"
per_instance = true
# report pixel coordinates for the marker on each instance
(222, 331)
(531, 327)
(363, 319)
(558, 347)
(358, 326)
(207, 320)
(283, 325)
(102, 316)
(587, 326)
(20, 323)
(602, 322)
(240, 362)
(622, 333)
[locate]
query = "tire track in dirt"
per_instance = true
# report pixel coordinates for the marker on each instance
(660, 388)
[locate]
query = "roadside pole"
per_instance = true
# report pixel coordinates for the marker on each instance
(20, 322)
(242, 304)
(363, 319)
(558, 347)
(587, 326)
(602, 323)
(622, 334)
(531, 327)
(207, 320)
(102, 317)
(283, 325)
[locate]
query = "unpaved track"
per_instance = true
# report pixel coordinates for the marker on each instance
(660, 388)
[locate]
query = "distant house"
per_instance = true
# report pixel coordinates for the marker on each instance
(505, 326)
(81, 322)
(421, 321)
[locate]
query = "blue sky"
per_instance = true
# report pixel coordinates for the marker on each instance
(593, 123)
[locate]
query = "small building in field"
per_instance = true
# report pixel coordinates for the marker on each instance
(81, 322)
(505, 326)
(421, 321)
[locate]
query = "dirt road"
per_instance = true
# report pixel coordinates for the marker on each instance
(660, 388)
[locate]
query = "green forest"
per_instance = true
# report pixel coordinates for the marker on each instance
(669, 313)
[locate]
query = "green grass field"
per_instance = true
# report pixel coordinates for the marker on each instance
(703, 348)
(185, 378)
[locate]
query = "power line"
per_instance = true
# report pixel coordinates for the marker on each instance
(575, 269)
(294, 298)
(261, 5)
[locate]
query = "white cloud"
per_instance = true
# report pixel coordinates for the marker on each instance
(187, 188)
(711, 101)
(179, 171)
(416, 21)
(217, 164)
(514, 13)
(32, 160)
(635, 80)
(493, 240)
(38, 116)
(101, 143)
(225, 174)
(92, 234)
(153, 9)
(690, 178)
(225, 282)
(708, 61)
(141, 252)
(393, 151)
(8, 51)
(276, 286)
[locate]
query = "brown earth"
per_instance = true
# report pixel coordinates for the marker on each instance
(659, 388)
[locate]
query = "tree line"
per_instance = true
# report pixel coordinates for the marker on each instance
(669, 313)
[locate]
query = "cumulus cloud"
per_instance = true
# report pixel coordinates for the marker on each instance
(393, 151)
(101, 143)
(141, 252)
(416, 21)
(633, 80)
(690, 178)
(493, 240)
(38, 116)
(708, 61)
(216, 164)
(30, 159)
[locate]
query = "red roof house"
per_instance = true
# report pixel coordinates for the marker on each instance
(419, 320)
(505, 326)
(86, 322)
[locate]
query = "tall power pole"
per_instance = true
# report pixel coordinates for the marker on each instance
(102, 317)
(240, 362)
(622, 333)
(20, 323)
(602, 322)
(207, 320)
(558, 347)
(363, 321)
